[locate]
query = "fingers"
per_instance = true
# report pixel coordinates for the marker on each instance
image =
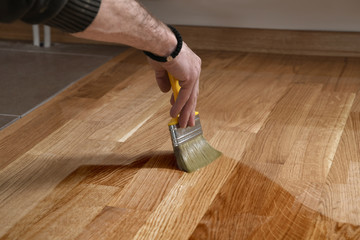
(187, 114)
(161, 75)
(187, 118)
(191, 122)
(162, 80)
(181, 100)
(172, 99)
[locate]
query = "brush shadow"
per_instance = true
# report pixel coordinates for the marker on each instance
(51, 170)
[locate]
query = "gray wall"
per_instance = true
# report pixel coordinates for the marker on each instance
(337, 15)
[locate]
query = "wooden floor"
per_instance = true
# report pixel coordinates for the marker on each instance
(96, 162)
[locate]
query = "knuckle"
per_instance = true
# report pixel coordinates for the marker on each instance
(188, 77)
(199, 61)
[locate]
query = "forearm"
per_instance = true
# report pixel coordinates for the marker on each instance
(127, 22)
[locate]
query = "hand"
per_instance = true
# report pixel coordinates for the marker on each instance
(186, 67)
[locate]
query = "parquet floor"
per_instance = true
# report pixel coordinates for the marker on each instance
(96, 161)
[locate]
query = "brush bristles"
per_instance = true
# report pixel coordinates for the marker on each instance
(194, 154)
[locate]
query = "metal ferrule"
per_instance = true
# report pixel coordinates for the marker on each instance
(182, 135)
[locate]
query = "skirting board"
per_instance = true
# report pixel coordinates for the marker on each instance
(273, 41)
(323, 43)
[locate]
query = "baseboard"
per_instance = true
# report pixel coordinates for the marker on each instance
(273, 41)
(323, 43)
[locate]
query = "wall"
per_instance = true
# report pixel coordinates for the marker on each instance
(331, 15)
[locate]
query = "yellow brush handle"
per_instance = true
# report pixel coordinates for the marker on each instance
(176, 89)
(174, 85)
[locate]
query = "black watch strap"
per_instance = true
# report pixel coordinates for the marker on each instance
(173, 54)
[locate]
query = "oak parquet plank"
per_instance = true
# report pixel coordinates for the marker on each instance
(327, 228)
(223, 59)
(140, 99)
(49, 162)
(327, 70)
(274, 211)
(26, 181)
(73, 140)
(123, 223)
(290, 222)
(239, 142)
(309, 159)
(112, 175)
(275, 140)
(341, 202)
(90, 176)
(156, 179)
(76, 208)
(245, 77)
(353, 173)
(348, 151)
(306, 193)
(44, 121)
(53, 199)
(249, 223)
(127, 90)
(348, 80)
(151, 138)
(340, 196)
(114, 74)
(115, 223)
(336, 73)
(314, 149)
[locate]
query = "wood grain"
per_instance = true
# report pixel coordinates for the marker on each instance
(96, 162)
(272, 212)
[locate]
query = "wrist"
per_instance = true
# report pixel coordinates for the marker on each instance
(170, 51)
(168, 46)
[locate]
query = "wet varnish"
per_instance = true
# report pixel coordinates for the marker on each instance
(96, 161)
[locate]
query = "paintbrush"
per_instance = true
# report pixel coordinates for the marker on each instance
(191, 149)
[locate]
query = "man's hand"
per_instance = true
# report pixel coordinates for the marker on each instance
(127, 22)
(186, 67)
